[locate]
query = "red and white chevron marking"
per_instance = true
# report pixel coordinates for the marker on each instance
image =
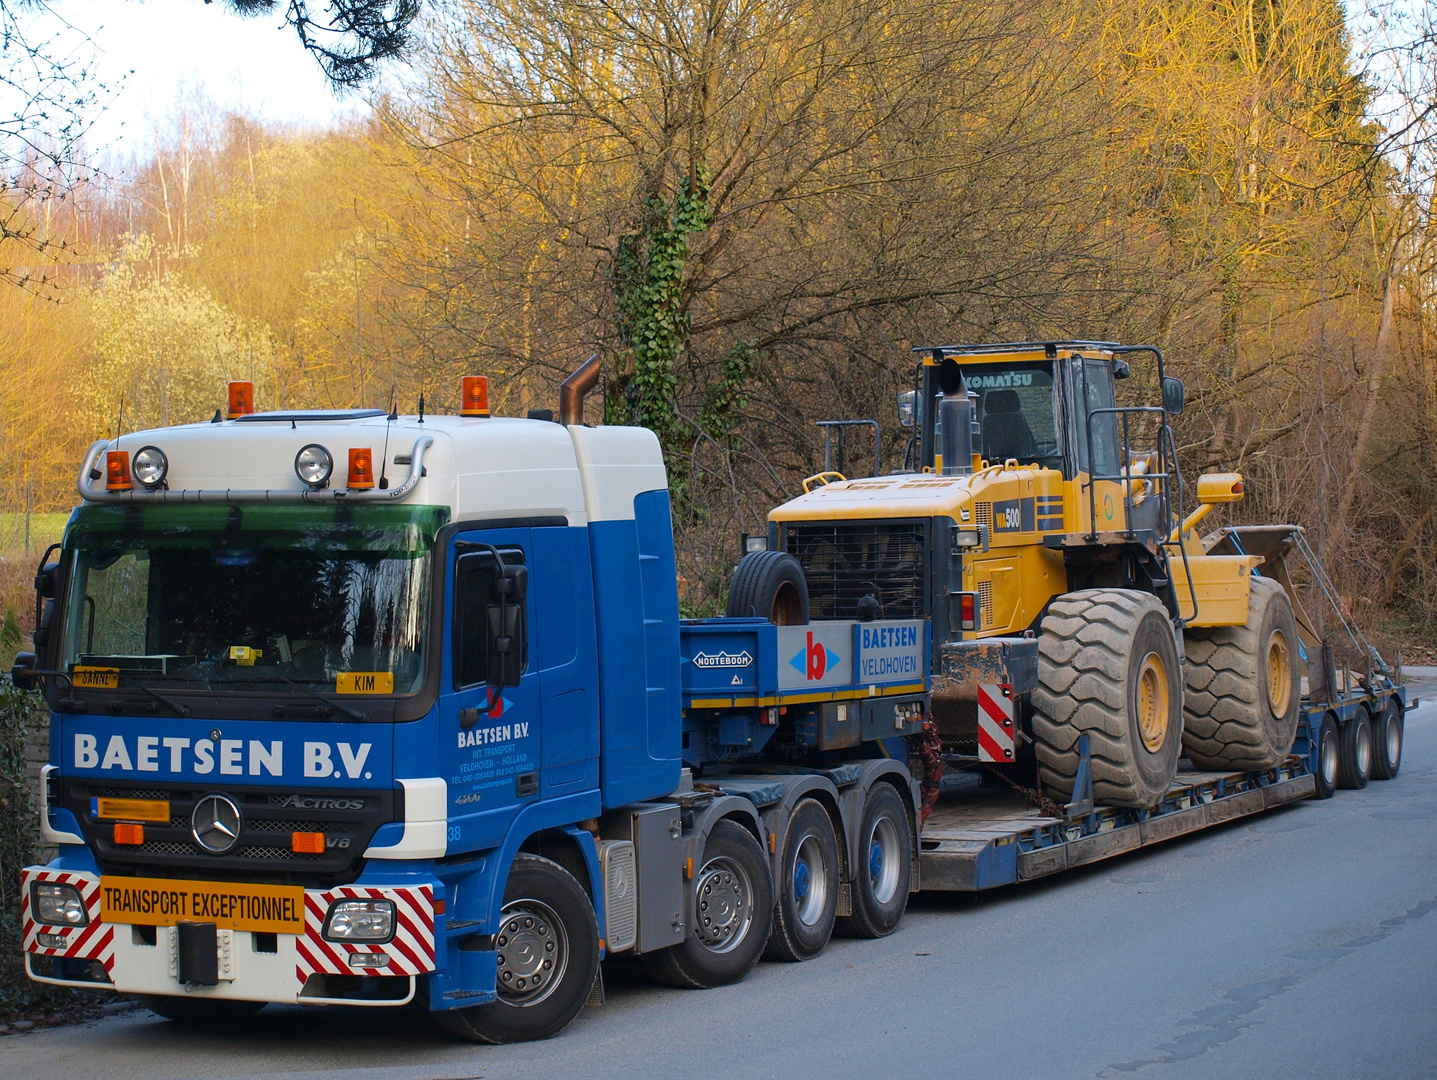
(995, 722)
(94, 941)
(411, 952)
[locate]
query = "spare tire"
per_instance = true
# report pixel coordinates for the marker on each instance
(769, 585)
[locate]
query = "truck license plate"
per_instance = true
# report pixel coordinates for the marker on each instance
(274, 909)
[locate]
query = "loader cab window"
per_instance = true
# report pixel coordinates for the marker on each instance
(1016, 413)
(1093, 389)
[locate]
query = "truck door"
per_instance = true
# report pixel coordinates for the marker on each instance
(489, 736)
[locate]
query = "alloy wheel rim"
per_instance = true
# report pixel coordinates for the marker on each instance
(532, 952)
(810, 875)
(723, 898)
(883, 856)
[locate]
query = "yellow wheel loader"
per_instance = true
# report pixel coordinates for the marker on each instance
(1079, 621)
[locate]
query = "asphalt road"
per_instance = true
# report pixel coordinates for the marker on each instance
(1301, 943)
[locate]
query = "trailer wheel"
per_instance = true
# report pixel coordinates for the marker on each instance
(1387, 741)
(1354, 756)
(1328, 753)
(769, 585)
(201, 1012)
(547, 951)
(881, 880)
(807, 903)
(1244, 686)
(733, 905)
(1108, 668)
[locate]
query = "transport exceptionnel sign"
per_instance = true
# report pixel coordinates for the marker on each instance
(275, 909)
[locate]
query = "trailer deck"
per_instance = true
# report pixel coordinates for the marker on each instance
(982, 837)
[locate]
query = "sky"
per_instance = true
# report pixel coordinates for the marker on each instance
(156, 54)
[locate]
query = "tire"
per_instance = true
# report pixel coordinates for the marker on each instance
(1108, 669)
(1244, 686)
(1387, 732)
(1354, 752)
(212, 1013)
(883, 873)
(548, 927)
(806, 907)
(769, 585)
(734, 880)
(1328, 753)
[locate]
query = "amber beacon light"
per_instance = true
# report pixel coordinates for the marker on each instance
(474, 395)
(241, 398)
(117, 470)
(361, 468)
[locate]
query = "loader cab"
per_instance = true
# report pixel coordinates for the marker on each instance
(1032, 403)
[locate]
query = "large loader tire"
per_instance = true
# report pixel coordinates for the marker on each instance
(1108, 668)
(1243, 689)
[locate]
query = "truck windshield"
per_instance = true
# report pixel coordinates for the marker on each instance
(1016, 412)
(249, 598)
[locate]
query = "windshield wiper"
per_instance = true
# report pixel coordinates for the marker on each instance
(353, 714)
(164, 699)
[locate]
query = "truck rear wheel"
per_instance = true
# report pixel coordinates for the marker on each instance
(733, 906)
(548, 957)
(201, 1011)
(1108, 669)
(1325, 777)
(807, 904)
(1243, 686)
(769, 585)
(1387, 741)
(1354, 752)
(881, 880)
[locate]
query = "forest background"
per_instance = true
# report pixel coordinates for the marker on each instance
(752, 209)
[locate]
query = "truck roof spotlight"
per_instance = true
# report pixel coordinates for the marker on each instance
(313, 464)
(150, 467)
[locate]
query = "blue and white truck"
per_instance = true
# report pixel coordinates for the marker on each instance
(357, 708)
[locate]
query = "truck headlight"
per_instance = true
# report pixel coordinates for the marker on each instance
(57, 905)
(360, 920)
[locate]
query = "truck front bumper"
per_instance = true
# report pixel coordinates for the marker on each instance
(303, 968)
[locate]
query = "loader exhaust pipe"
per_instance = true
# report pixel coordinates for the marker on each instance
(955, 412)
(573, 389)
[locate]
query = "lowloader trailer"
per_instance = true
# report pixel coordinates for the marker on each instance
(441, 737)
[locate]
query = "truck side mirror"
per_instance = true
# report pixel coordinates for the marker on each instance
(513, 584)
(23, 673)
(504, 664)
(1174, 395)
(906, 408)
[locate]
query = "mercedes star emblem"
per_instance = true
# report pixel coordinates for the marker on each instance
(216, 824)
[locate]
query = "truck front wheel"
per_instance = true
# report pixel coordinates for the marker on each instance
(547, 950)
(733, 909)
